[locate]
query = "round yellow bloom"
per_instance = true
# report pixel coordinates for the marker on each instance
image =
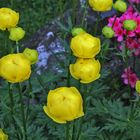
(101, 5)
(3, 136)
(138, 86)
(85, 70)
(64, 104)
(85, 45)
(31, 54)
(15, 68)
(16, 33)
(8, 18)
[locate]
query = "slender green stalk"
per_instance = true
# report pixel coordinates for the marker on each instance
(11, 98)
(12, 3)
(28, 100)
(73, 130)
(127, 65)
(134, 62)
(84, 95)
(67, 131)
(74, 4)
(83, 24)
(97, 23)
(17, 46)
(22, 111)
(12, 108)
(68, 76)
(60, 3)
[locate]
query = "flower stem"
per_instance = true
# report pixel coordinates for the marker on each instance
(97, 23)
(127, 65)
(17, 46)
(22, 111)
(68, 75)
(69, 131)
(28, 100)
(12, 108)
(83, 23)
(84, 95)
(74, 3)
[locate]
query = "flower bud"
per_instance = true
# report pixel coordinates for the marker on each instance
(15, 68)
(64, 104)
(129, 25)
(108, 32)
(120, 6)
(16, 33)
(85, 70)
(137, 86)
(8, 18)
(77, 31)
(85, 45)
(31, 54)
(3, 136)
(101, 5)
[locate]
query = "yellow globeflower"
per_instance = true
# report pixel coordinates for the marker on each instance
(138, 86)
(101, 5)
(64, 104)
(15, 68)
(85, 70)
(8, 18)
(3, 136)
(31, 54)
(85, 45)
(16, 33)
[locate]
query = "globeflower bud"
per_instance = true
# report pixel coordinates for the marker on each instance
(77, 31)
(64, 104)
(31, 54)
(8, 18)
(129, 25)
(120, 6)
(85, 70)
(15, 68)
(3, 136)
(137, 86)
(16, 33)
(108, 32)
(101, 5)
(85, 45)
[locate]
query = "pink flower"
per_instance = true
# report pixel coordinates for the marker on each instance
(129, 77)
(134, 45)
(119, 32)
(135, 1)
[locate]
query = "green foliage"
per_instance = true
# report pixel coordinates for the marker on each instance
(109, 114)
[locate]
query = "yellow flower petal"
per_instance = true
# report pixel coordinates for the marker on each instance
(101, 5)
(15, 68)
(8, 18)
(85, 45)
(64, 104)
(85, 70)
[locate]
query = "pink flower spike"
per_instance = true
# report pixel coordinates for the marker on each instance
(129, 77)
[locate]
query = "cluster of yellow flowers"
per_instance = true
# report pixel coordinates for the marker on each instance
(106, 5)
(65, 103)
(9, 20)
(15, 67)
(85, 47)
